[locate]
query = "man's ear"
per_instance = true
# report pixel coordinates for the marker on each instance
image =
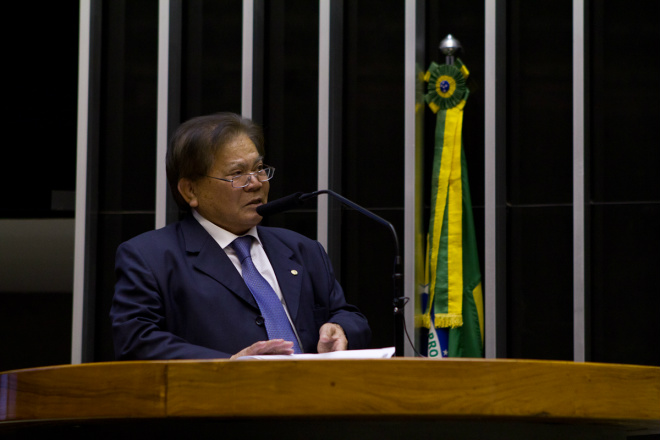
(186, 188)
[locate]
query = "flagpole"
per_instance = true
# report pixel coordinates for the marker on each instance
(449, 47)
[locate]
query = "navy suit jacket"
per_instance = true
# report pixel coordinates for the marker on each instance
(178, 296)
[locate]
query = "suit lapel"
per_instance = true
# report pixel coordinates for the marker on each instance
(208, 257)
(289, 273)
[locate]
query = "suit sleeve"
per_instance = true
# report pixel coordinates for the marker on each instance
(352, 321)
(138, 315)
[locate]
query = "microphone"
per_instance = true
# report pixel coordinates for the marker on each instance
(295, 200)
(291, 201)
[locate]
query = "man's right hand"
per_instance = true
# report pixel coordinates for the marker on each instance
(273, 346)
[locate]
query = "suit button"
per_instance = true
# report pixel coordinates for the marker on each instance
(259, 321)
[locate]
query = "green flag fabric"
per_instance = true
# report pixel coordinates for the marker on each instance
(453, 310)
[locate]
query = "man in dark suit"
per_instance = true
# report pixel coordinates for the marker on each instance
(180, 291)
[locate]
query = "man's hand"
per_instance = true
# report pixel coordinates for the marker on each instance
(273, 346)
(331, 338)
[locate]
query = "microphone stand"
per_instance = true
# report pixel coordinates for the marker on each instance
(399, 301)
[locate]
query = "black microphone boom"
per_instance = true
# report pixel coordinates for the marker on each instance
(297, 199)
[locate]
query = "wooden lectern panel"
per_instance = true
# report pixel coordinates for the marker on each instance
(466, 388)
(95, 390)
(624, 398)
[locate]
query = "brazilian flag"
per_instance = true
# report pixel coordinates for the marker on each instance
(453, 310)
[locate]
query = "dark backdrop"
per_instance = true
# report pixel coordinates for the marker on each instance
(623, 158)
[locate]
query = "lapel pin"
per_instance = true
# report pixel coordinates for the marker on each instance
(294, 272)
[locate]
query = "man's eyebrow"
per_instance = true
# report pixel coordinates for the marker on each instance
(240, 162)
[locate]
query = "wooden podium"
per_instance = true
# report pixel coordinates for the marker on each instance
(381, 398)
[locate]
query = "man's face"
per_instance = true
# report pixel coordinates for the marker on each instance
(233, 209)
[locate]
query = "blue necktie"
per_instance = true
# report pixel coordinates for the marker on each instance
(277, 323)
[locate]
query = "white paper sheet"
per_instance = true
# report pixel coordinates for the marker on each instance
(372, 353)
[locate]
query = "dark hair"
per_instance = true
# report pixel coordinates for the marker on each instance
(194, 145)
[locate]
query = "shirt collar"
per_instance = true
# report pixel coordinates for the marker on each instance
(222, 236)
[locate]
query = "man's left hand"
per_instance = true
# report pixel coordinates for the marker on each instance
(331, 338)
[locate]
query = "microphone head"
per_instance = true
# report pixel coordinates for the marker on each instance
(286, 203)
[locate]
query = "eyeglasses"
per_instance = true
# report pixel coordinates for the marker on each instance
(243, 180)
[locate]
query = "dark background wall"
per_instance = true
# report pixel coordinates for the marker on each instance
(623, 158)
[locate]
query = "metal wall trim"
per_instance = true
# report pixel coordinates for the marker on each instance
(579, 199)
(413, 56)
(81, 183)
(323, 180)
(163, 111)
(248, 58)
(495, 179)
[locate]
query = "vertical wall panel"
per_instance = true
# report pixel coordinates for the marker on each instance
(211, 57)
(290, 105)
(539, 180)
(127, 146)
(332, 163)
(625, 181)
(373, 155)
